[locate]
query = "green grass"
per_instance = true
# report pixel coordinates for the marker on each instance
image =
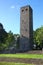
(34, 56)
(12, 63)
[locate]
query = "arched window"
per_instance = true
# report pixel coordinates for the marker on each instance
(22, 10)
(26, 9)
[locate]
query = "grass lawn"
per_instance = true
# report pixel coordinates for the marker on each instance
(12, 63)
(34, 56)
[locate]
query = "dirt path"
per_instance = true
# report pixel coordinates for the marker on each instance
(32, 61)
(34, 52)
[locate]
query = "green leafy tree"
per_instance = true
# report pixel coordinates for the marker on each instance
(38, 36)
(9, 39)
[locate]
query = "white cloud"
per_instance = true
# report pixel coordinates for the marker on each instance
(12, 7)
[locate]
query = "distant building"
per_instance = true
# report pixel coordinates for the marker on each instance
(26, 28)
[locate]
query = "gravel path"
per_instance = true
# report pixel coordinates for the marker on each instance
(20, 60)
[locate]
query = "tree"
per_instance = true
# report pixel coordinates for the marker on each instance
(8, 41)
(38, 37)
(18, 43)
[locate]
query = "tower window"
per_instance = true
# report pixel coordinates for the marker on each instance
(26, 9)
(22, 10)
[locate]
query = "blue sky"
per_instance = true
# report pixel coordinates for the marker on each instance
(10, 13)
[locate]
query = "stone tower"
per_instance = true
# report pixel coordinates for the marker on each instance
(26, 28)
